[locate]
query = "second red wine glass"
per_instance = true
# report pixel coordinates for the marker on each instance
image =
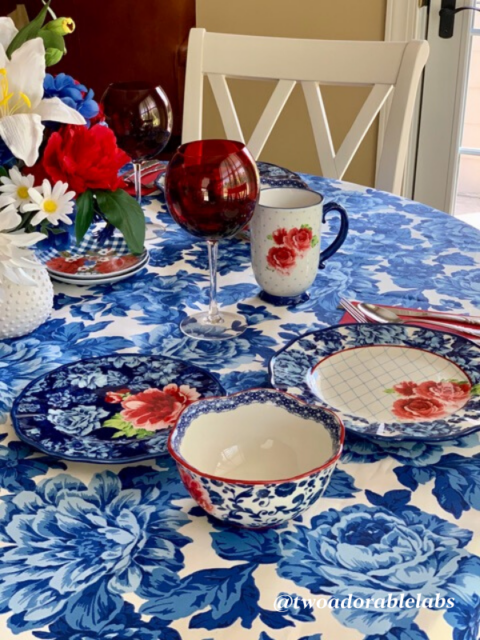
(211, 188)
(140, 115)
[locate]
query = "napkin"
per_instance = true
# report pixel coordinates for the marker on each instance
(147, 178)
(347, 318)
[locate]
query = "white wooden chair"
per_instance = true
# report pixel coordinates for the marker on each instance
(391, 67)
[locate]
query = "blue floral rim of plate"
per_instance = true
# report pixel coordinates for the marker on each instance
(270, 176)
(388, 381)
(109, 409)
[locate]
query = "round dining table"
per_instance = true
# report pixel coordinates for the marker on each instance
(122, 552)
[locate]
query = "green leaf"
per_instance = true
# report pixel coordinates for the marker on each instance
(126, 429)
(3, 172)
(270, 237)
(314, 241)
(305, 226)
(84, 214)
(125, 214)
(475, 390)
(389, 390)
(29, 31)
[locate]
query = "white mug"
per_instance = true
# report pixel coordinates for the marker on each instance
(285, 242)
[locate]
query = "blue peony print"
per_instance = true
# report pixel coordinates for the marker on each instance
(126, 625)
(18, 466)
(390, 548)
(72, 550)
(78, 421)
(465, 618)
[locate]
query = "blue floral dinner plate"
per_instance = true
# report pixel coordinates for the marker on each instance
(270, 176)
(386, 381)
(110, 409)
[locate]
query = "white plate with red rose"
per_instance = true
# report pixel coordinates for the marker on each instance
(111, 409)
(388, 381)
(94, 266)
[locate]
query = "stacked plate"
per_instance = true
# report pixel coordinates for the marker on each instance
(94, 267)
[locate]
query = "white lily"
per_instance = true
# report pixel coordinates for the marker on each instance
(22, 107)
(15, 259)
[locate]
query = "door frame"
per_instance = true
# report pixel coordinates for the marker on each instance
(443, 108)
(404, 20)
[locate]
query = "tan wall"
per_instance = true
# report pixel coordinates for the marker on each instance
(291, 143)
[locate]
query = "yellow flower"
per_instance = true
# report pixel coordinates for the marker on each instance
(61, 26)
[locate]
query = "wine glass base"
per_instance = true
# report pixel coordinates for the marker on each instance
(198, 326)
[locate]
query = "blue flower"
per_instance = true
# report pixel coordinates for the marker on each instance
(468, 282)
(126, 625)
(7, 159)
(72, 94)
(78, 421)
(245, 349)
(457, 481)
(72, 550)
(17, 467)
(372, 552)
(345, 276)
(240, 380)
(465, 618)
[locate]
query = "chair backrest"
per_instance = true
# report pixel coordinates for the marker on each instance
(390, 67)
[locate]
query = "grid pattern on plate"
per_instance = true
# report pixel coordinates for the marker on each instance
(355, 380)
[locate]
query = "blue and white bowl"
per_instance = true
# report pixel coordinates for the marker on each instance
(256, 458)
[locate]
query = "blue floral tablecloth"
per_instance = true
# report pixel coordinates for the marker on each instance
(117, 553)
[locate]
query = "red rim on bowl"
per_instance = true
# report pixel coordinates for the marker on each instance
(182, 462)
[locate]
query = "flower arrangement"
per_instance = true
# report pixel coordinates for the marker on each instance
(58, 161)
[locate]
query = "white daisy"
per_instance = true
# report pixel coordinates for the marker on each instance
(16, 186)
(52, 204)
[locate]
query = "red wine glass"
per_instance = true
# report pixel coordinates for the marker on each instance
(211, 188)
(140, 115)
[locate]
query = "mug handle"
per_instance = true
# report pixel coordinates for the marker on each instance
(341, 236)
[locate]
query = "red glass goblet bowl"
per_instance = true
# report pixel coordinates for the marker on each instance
(211, 188)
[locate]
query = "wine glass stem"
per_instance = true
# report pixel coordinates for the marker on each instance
(214, 316)
(137, 174)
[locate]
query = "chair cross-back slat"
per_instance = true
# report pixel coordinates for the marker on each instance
(270, 115)
(223, 97)
(367, 114)
(386, 66)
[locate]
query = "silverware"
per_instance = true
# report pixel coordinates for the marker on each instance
(380, 314)
(385, 310)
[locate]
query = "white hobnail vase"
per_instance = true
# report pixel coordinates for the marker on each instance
(24, 307)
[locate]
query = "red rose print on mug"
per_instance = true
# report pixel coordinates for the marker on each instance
(300, 240)
(288, 246)
(281, 258)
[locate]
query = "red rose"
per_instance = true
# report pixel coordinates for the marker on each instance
(65, 266)
(279, 235)
(154, 409)
(299, 239)
(406, 388)
(114, 397)
(195, 489)
(281, 258)
(116, 264)
(450, 392)
(416, 409)
(85, 158)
